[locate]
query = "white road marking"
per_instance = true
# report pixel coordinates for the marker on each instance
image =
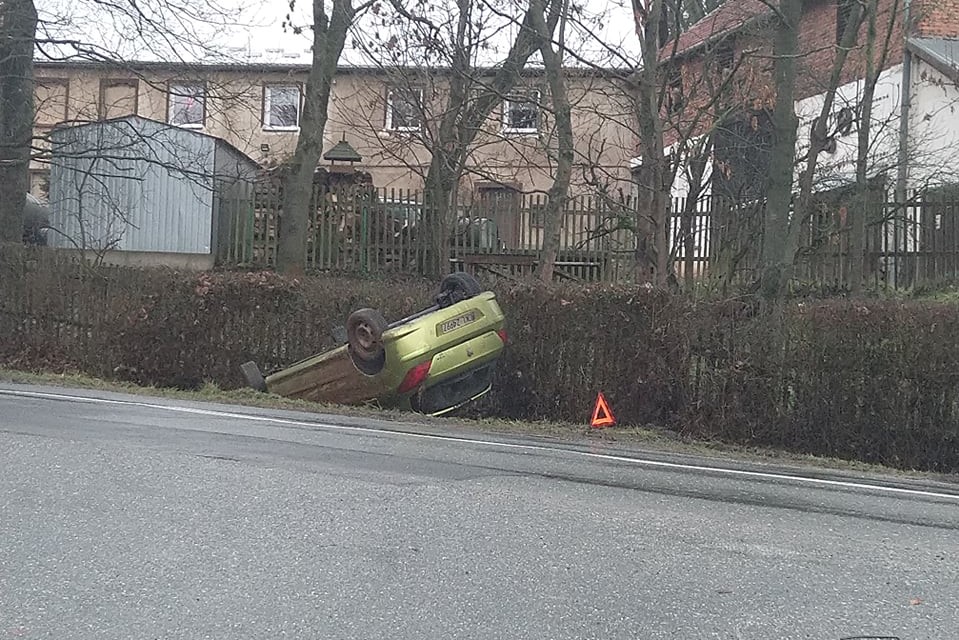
(492, 443)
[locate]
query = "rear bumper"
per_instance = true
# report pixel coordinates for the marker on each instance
(458, 375)
(454, 392)
(463, 358)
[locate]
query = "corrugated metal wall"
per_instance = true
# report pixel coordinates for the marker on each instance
(234, 173)
(132, 185)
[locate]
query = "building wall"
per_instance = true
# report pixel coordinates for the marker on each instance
(933, 150)
(935, 18)
(817, 43)
(838, 168)
(234, 112)
(934, 127)
(752, 85)
(603, 138)
(233, 106)
(932, 154)
(746, 84)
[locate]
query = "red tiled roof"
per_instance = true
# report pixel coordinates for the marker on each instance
(728, 17)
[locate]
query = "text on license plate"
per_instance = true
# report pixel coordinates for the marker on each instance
(455, 323)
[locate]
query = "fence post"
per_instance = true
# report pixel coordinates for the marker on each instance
(364, 232)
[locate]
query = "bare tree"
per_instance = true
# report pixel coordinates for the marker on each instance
(785, 123)
(785, 218)
(329, 36)
(446, 74)
(652, 252)
(873, 71)
(556, 202)
(678, 110)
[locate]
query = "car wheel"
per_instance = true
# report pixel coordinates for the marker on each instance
(364, 332)
(457, 287)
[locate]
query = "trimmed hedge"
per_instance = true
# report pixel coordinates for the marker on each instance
(872, 381)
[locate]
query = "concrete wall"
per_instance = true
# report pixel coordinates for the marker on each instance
(934, 127)
(933, 150)
(933, 154)
(184, 261)
(836, 169)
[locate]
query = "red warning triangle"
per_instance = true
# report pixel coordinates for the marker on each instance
(602, 416)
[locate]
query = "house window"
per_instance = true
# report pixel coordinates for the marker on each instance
(521, 112)
(281, 107)
(187, 105)
(844, 13)
(726, 57)
(403, 109)
(51, 101)
(118, 98)
(40, 184)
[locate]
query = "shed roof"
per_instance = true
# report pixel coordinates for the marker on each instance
(140, 119)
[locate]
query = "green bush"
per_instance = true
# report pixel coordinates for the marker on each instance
(873, 381)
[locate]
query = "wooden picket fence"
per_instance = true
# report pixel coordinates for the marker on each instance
(357, 229)
(367, 230)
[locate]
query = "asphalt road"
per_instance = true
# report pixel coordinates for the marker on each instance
(124, 517)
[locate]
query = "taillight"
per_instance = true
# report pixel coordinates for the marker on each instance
(503, 335)
(415, 377)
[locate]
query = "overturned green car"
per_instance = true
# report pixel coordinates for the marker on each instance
(431, 362)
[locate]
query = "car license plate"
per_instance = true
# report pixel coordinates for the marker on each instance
(455, 323)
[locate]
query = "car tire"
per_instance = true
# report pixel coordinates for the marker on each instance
(457, 287)
(364, 332)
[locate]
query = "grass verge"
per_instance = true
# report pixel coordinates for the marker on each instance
(631, 438)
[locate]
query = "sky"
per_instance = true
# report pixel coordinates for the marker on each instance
(249, 31)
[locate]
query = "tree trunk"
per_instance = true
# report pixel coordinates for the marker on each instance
(462, 119)
(652, 254)
(559, 190)
(329, 35)
(785, 232)
(857, 231)
(783, 152)
(18, 24)
(437, 206)
(819, 137)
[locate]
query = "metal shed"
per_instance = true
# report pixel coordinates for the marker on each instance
(137, 185)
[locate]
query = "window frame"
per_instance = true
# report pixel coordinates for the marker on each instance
(60, 82)
(726, 55)
(169, 103)
(267, 102)
(511, 99)
(388, 123)
(109, 83)
(39, 175)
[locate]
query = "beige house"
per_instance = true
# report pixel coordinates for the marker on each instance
(385, 115)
